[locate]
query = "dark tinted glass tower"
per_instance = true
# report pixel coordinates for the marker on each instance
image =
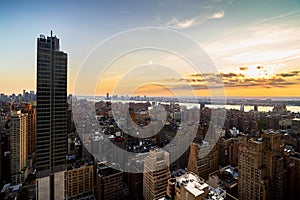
(51, 114)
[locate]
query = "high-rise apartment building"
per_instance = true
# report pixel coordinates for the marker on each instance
(51, 118)
(296, 125)
(156, 174)
(80, 182)
(1, 160)
(2, 120)
(262, 168)
(109, 183)
(228, 151)
(135, 176)
(296, 160)
(18, 146)
(203, 159)
(31, 112)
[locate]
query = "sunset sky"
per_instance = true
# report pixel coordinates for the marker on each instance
(255, 45)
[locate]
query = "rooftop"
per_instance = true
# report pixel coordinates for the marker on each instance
(227, 177)
(216, 194)
(105, 170)
(192, 183)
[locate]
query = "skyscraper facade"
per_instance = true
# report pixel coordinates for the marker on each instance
(31, 112)
(80, 182)
(109, 183)
(296, 160)
(51, 117)
(203, 166)
(18, 145)
(262, 168)
(156, 174)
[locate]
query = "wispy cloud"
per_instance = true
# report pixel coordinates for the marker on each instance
(218, 15)
(186, 23)
(182, 24)
(198, 12)
(271, 40)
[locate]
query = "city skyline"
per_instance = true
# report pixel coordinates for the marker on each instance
(254, 45)
(75, 156)
(143, 100)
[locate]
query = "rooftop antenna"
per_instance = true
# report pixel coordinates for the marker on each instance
(51, 33)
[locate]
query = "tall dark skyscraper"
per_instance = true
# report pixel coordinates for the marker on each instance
(51, 118)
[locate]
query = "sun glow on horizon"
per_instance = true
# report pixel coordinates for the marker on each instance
(259, 71)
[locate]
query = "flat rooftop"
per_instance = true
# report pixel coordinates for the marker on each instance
(105, 170)
(192, 184)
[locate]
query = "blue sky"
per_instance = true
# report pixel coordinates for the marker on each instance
(215, 24)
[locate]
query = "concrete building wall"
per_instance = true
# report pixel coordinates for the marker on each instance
(43, 188)
(59, 185)
(54, 183)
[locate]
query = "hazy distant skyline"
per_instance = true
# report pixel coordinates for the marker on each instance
(254, 44)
